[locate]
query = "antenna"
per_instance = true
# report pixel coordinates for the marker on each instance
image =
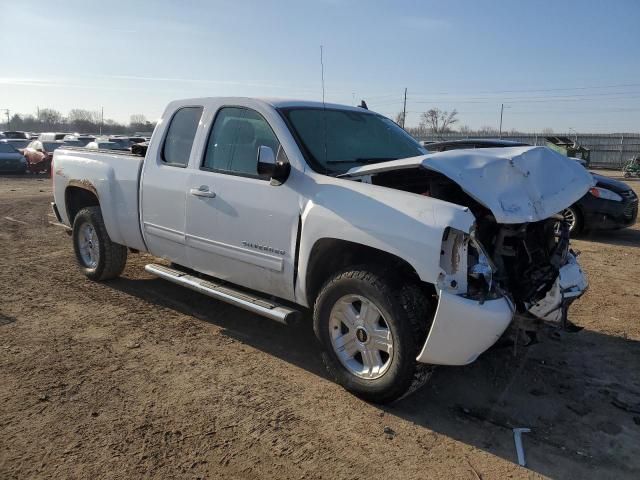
(324, 109)
(322, 72)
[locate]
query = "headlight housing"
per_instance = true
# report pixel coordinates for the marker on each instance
(605, 194)
(481, 270)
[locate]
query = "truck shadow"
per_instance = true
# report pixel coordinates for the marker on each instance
(627, 237)
(578, 393)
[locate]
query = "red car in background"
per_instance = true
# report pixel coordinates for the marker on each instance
(39, 155)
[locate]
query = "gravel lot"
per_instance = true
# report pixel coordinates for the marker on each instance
(140, 377)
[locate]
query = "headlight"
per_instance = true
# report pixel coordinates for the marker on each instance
(482, 269)
(605, 194)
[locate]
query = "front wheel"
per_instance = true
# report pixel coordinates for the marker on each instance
(98, 257)
(371, 330)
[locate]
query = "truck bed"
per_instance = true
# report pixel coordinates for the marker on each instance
(113, 177)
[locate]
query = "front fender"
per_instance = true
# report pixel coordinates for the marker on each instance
(403, 224)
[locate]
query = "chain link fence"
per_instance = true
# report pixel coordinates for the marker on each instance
(607, 150)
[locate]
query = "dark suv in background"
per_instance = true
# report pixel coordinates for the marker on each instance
(609, 204)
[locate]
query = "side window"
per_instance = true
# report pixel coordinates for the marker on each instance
(235, 138)
(179, 139)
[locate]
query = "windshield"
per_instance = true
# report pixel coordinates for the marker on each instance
(21, 135)
(336, 140)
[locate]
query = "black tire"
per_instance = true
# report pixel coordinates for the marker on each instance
(406, 311)
(112, 257)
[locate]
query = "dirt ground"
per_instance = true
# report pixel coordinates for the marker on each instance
(138, 377)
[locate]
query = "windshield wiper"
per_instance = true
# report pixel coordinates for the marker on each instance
(362, 160)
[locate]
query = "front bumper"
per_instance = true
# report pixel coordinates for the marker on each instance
(570, 284)
(463, 329)
(602, 214)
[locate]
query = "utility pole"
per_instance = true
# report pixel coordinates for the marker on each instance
(8, 113)
(101, 119)
(501, 110)
(404, 108)
(576, 135)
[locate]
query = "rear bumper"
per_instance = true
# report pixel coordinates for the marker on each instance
(463, 329)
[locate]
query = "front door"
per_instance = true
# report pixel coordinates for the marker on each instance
(240, 227)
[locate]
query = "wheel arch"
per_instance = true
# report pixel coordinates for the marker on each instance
(330, 255)
(79, 196)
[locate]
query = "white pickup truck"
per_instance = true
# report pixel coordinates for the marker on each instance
(406, 259)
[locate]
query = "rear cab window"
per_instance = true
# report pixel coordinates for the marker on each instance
(178, 142)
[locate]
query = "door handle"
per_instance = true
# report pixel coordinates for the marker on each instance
(203, 191)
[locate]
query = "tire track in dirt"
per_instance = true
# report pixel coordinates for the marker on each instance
(139, 377)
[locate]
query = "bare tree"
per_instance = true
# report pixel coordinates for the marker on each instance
(547, 131)
(466, 129)
(439, 121)
(78, 120)
(83, 120)
(137, 119)
(400, 118)
(49, 117)
(488, 130)
(79, 115)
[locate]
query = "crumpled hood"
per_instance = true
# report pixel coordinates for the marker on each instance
(518, 184)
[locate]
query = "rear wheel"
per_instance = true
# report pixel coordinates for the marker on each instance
(98, 257)
(371, 334)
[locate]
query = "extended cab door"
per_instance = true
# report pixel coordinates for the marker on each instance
(240, 227)
(165, 181)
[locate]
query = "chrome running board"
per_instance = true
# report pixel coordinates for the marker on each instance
(263, 307)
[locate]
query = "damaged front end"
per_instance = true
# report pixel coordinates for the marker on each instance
(515, 266)
(531, 264)
(501, 275)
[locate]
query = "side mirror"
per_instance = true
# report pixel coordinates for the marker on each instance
(268, 166)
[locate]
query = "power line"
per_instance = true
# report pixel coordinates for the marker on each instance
(493, 92)
(547, 99)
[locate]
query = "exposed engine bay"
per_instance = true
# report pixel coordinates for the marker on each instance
(523, 262)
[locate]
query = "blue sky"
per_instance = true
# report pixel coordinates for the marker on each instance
(555, 64)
